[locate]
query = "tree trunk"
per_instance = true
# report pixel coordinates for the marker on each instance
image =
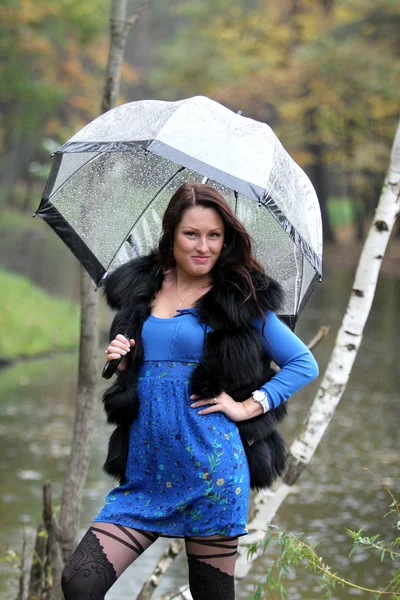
(75, 477)
(62, 539)
(119, 29)
(318, 172)
(343, 355)
(337, 372)
(18, 154)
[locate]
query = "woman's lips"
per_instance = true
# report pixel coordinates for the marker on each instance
(200, 259)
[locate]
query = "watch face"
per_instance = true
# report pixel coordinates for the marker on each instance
(258, 395)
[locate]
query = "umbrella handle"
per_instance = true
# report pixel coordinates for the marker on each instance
(110, 368)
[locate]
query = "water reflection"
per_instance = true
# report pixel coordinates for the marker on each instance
(37, 253)
(37, 403)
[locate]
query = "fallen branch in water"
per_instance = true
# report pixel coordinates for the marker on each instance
(172, 551)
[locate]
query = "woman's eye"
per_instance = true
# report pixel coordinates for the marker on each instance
(214, 235)
(190, 233)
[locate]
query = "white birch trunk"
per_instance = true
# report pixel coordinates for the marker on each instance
(344, 353)
(266, 504)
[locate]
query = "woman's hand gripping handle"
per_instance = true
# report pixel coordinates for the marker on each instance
(116, 352)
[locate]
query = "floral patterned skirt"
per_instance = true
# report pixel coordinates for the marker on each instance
(187, 474)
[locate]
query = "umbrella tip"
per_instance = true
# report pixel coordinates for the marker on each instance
(34, 214)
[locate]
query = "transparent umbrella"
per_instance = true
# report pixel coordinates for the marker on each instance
(111, 182)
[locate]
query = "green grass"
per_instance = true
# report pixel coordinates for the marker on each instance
(31, 321)
(15, 220)
(341, 211)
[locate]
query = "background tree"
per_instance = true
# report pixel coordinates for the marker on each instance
(324, 75)
(62, 537)
(53, 55)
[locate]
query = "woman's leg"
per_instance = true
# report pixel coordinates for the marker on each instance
(104, 552)
(211, 567)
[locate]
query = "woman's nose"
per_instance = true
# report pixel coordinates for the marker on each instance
(202, 245)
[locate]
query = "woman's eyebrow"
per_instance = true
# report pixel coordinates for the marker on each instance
(195, 228)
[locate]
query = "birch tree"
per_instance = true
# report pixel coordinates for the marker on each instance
(344, 353)
(335, 378)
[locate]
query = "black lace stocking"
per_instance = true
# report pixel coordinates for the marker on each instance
(104, 552)
(211, 567)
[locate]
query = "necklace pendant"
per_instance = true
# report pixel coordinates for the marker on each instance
(180, 304)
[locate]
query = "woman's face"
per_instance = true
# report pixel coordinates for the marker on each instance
(198, 240)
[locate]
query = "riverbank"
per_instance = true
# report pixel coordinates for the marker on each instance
(32, 322)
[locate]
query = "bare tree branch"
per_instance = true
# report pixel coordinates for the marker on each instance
(171, 552)
(136, 16)
(318, 337)
(181, 594)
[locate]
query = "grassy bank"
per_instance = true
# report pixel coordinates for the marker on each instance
(31, 321)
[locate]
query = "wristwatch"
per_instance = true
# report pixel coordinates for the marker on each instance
(261, 397)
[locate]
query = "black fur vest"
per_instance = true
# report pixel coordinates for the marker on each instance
(233, 361)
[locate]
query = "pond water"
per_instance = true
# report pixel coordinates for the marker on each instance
(334, 493)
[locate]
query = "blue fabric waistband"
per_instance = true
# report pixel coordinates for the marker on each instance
(166, 368)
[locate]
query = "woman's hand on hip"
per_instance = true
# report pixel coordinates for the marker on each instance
(236, 411)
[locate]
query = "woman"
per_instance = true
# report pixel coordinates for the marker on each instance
(195, 401)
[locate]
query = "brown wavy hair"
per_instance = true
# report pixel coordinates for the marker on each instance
(236, 257)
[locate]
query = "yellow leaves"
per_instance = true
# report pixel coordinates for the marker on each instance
(34, 43)
(130, 74)
(309, 25)
(343, 13)
(53, 127)
(380, 107)
(26, 13)
(302, 157)
(292, 110)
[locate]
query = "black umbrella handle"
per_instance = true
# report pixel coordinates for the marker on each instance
(110, 368)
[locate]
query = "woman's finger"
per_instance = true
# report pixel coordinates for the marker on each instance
(120, 349)
(118, 344)
(202, 402)
(111, 357)
(122, 338)
(211, 409)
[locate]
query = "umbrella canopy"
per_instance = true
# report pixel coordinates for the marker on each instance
(111, 182)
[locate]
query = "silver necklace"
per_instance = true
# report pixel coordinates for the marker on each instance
(196, 290)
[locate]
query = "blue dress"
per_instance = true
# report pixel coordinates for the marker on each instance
(187, 474)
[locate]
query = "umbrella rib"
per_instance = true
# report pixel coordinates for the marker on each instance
(144, 210)
(64, 183)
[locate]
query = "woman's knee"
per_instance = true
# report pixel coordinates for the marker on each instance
(207, 581)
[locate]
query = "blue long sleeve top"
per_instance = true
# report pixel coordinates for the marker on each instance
(297, 364)
(181, 338)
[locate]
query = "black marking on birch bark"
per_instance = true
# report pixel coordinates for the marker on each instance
(351, 333)
(335, 389)
(381, 226)
(293, 471)
(351, 347)
(358, 293)
(379, 257)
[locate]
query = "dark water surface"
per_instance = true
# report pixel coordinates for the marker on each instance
(37, 402)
